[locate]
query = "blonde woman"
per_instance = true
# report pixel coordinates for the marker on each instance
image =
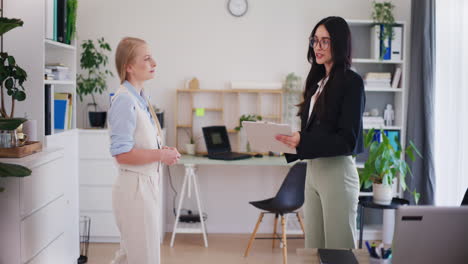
(136, 145)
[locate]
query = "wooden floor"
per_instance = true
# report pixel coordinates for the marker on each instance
(223, 248)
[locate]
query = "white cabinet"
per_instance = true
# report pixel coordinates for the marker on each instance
(98, 172)
(38, 214)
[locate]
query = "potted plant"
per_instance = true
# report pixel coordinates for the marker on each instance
(383, 14)
(191, 146)
(12, 78)
(384, 165)
(247, 118)
(94, 61)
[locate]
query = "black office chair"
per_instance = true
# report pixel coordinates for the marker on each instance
(289, 198)
(465, 198)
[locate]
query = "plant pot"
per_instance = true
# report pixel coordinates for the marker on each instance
(383, 193)
(190, 148)
(97, 119)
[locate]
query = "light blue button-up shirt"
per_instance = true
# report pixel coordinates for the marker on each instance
(122, 119)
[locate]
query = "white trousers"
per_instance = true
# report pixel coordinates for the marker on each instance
(135, 200)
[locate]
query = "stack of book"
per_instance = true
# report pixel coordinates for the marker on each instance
(48, 74)
(57, 72)
(372, 122)
(378, 79)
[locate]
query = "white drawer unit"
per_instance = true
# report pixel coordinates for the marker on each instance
(98, 172)
(38, 213)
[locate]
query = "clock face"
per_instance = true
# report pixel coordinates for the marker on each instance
(237, 7)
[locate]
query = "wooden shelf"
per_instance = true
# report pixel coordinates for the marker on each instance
(184, 126)
(210, 109)
(232, 131)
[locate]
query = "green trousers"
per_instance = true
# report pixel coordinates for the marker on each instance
(331, 200)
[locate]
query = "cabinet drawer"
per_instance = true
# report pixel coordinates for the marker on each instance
(96, 198)
(54, 253)
(94, 146)
(102, 224)
(45, 184)
(41, 228)
(97, 172)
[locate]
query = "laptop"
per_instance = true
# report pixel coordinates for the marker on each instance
(429, 234)
(218, 146)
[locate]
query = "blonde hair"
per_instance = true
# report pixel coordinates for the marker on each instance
(125, 54)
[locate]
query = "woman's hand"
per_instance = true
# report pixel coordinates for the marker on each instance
(169, 156)
(290, 141)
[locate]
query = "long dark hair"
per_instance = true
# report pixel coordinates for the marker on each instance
(340, 46)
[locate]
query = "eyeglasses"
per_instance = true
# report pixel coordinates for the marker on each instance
(324, 43)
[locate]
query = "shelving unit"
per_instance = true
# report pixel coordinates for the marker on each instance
(223, 107)
(379, 97)
(56, 52)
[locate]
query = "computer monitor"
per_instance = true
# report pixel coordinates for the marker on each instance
(429, 234)
(216, 139)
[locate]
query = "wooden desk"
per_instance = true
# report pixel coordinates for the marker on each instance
(310, 256)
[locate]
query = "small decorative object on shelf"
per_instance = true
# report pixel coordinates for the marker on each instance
(194, 84)
(384, 165)
(94, 61)
(191, 146)
(389, 115)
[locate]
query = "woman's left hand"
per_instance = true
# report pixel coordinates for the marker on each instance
(290, 141)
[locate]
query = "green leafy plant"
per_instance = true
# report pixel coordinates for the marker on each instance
(385, 163)
(12, 76)
(292, 82)
(72, 6)
(247, 118)
(383, 14)
(93, 60)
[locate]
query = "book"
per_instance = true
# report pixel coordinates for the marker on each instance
(336, 256)
(48, 110)
(397, 44)
(69, 107)
(61, 20)
(49, 19)
(60, 113)
(396, 78)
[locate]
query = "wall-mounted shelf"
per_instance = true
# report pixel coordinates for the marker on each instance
(58, 45)
(223, 107)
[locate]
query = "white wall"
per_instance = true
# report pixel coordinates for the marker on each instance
(200, 38)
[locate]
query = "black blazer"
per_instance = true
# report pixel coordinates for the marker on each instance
(339, 133)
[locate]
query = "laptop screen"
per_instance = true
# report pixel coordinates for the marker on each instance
(216, 139)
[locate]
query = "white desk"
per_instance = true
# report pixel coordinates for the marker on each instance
(190, 181)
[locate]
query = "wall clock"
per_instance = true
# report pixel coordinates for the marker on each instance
(237, 8)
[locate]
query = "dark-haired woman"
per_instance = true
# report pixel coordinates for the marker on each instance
(331, 132)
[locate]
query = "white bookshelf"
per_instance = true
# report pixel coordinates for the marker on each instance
(362, 63)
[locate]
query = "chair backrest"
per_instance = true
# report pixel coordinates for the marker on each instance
(290, 196)
(465, 198)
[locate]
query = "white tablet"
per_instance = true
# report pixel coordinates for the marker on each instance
(261, 136)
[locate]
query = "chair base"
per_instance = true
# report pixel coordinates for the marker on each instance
(283, 237)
